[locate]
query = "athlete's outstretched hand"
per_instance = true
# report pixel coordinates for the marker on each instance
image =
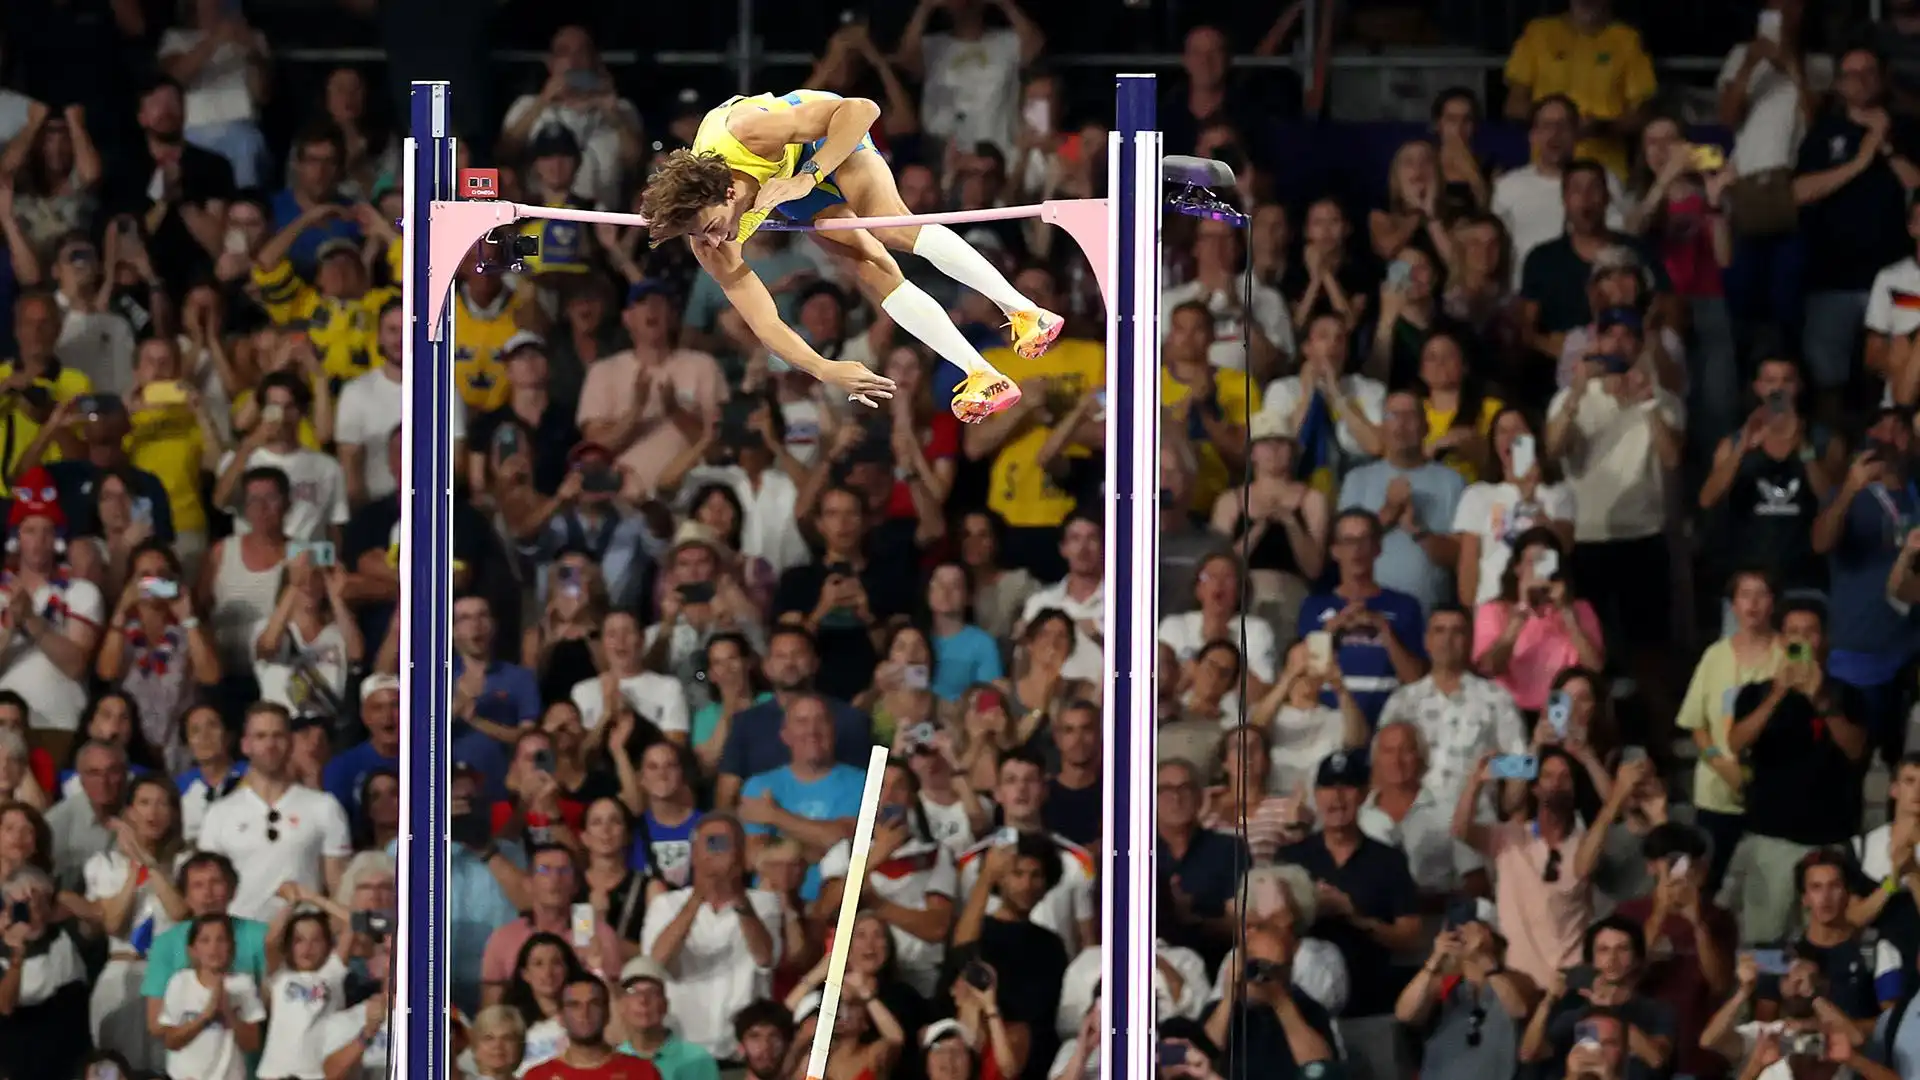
(784, 190)
(861, 383)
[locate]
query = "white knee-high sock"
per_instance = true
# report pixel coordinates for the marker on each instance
(955, 258)
(909, 306)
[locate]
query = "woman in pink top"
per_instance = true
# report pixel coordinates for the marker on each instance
(1535, 628)
(1677, 212)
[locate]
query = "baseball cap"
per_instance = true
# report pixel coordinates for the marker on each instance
(1265, 426)
(554, 140)
(646, 287)
(521, 339)
(339, 245)
(942, 1029)
(1618, 258)
(643, 967)
(373, 684)
(1619, 316)
(1341, 769)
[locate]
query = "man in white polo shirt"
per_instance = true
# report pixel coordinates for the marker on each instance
(716, 938)
(274, 830)
(1082, 594)
(369, 412)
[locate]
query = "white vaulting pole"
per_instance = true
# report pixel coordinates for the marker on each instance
(849, 909)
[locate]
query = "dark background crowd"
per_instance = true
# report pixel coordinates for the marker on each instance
(1540, 508)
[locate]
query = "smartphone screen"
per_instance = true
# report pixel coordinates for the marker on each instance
(1559, 711)
(582, 925)
(1770, 961)
(1546, 564)
(1320, 649)
(1522, 452)
(1513, 767)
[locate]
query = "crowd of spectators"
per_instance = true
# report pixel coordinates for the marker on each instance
(1454, 489)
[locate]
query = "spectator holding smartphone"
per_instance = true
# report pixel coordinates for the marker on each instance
(317, 506)
(1536, 627)
(1862, 532)
(1801, 731)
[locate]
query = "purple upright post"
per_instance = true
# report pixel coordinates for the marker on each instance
(420, 981)
(1132, 530)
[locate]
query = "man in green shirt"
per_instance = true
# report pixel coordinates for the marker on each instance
(643, 1011)
(207, 882)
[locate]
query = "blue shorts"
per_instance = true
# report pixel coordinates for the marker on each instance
(825, 193)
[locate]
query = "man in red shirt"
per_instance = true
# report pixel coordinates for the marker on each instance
(583, 1013)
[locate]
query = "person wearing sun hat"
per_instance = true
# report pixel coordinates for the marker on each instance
(643, 1011)
(52, 618)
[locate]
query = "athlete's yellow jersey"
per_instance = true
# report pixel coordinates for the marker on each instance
(714, 138)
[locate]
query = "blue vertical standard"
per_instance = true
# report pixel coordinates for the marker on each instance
(420, 983)
(1132, 522)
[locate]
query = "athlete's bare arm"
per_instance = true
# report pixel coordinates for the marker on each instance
(768, 132)
(749, 296)
(841, 122)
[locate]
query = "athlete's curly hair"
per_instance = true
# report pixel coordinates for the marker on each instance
(685, 184)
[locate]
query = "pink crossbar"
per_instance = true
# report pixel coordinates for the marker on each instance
(457, 226)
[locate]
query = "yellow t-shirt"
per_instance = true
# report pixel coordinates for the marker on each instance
(1019, 490)
(1606, 74)
(344, 332)
(477, 338)
(1440, 422)
(307, 437)
(1236, 396)
(167, 443)
(18, 428)
(1708, 707)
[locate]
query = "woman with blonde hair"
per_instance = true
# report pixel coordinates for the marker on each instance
(368, 883)
(495, 1042)
(1412, 216)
